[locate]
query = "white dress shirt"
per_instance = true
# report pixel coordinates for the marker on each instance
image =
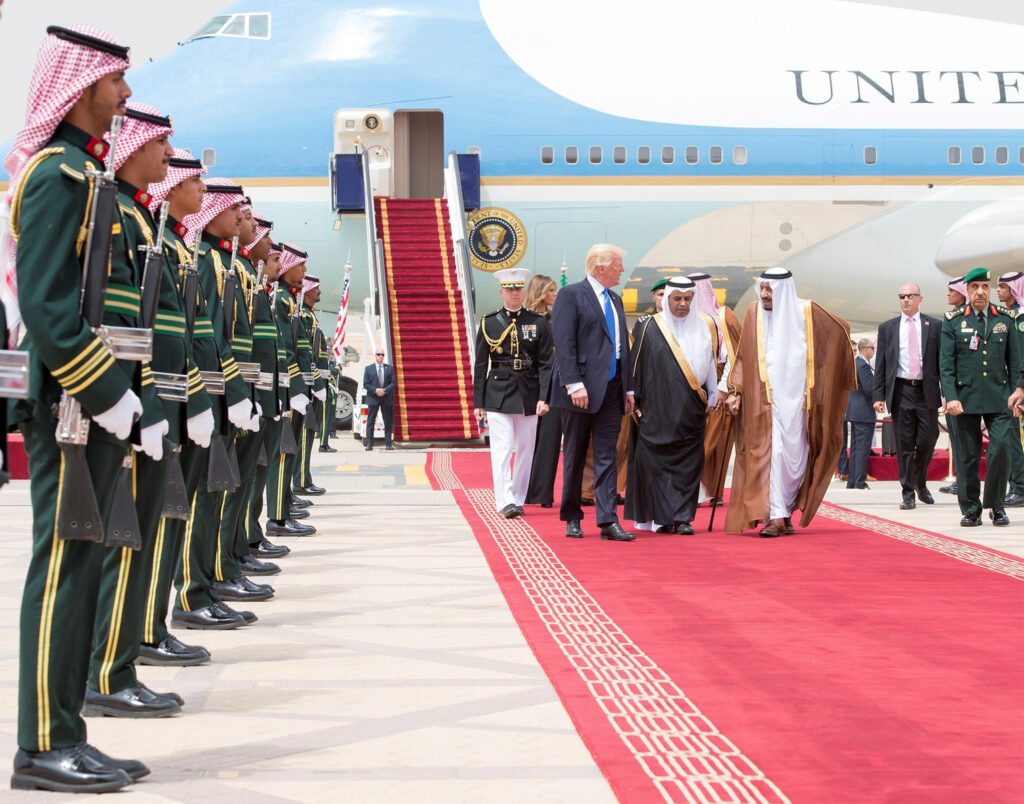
(903, 367)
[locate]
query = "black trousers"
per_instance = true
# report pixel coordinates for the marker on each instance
(545, 460)
(844, 453)
(917, 430)
(579, 429)
(388, 412)
(861, 434)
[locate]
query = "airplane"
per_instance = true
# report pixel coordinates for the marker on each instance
(842, 139)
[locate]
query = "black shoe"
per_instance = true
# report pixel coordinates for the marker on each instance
(289, 528)
(132, 767)
(248, 618)
(620, 500)
(1014, 501)
(389, 446)
(586, 501)
(210, 618)
(267, 549)
(908, 504)
(253, 566)
(684, 529)
(547, 505)
(369, 449)
(173, 696)
(311, 490)
(573, 529)
(510, 511)
(861, 487)
(970, 521)
(66, 770)
(615, 533)
(925, 496)
(136, 701)
(170, 652)
(999, 517)
(950, 489)
(235, 589)
(298, 502)
(298, 513)
(327, 449)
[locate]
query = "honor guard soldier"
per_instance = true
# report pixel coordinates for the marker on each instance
(327, 422)
(512, 375)
(141, 158)
(55, 164)
(303, 480)
(282, 463)
(1011, 296)
(979, 360)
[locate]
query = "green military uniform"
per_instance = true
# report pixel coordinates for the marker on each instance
(309, 325)
(1016, 485)
(282, 467)
(126, 572)
(978, 359)
(329, 408)
(48, 213)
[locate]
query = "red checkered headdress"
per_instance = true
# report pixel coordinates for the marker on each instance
(309, 282)
(1014, 280)
(221, 194)
(263, 228)
(706, 301)
(291, 256)
(142, 124)
(183, 166)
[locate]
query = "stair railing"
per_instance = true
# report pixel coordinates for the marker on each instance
(375, 260)
(463, 265)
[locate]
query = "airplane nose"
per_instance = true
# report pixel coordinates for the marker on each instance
(991, 236)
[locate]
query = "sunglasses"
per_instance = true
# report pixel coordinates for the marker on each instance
(908, 295)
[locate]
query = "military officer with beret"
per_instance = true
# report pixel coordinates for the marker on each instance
(513, 372)
(979, 359)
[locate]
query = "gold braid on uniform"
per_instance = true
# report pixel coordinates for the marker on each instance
(495, 343)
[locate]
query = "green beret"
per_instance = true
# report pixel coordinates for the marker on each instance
(658, 285)
(978, 275)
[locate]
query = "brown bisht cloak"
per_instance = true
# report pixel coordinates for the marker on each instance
(721, 434)
(834, 375)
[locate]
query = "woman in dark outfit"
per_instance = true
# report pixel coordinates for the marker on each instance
(540, 297)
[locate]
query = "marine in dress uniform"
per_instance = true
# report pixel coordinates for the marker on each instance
(49, 164)
(511, 382)
(979, 359)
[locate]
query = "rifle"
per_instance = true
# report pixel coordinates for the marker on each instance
(229, 308)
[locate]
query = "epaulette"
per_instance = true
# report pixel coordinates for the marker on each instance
(30, 168)
(954, 313)
(1004, 311)
(643, 318)
(493, 312)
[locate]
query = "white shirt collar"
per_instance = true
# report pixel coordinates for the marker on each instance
(599, 289)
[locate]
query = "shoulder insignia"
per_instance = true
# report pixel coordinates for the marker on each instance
(19, 191)
(643, 318)
(954, 313)
(1004, 311)
(67, 170)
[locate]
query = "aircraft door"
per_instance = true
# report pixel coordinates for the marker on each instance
(374, 131)
(419, 153)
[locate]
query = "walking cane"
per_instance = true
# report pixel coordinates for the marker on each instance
(720, 482)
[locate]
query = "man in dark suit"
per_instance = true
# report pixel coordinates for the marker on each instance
(592, 386)
(379, 388)
(907, 370)
(860, 415)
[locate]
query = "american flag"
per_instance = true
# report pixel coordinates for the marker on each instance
(338, 345)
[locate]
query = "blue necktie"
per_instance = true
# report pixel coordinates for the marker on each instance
(609, 319)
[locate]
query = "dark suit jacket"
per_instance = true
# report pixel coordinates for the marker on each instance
(584, 349)
(371, 384)
(497, 386)
(887, 360)
(858, 408)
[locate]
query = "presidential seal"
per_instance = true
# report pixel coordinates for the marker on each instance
(497, 239)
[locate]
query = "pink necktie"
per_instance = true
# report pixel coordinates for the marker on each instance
(914, 346)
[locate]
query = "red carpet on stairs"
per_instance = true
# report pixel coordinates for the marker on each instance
(432, 354)
(858, 661)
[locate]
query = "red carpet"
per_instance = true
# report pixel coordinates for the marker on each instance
(884, 467)
(431, 352)
(861, 661)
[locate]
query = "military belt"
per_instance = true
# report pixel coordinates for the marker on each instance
(122, 299)
(266, 381)
(172, 387)
(250, 371)
(170, 322)
(214, 382)
(264, 332)
(307, 377)
(516, 364)
(203, 328)
(241, 343)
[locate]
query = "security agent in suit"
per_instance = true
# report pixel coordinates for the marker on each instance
(981, 355)
(593, 386)
(511, 380)
(379, 388)
(907, 371)
(860, 415)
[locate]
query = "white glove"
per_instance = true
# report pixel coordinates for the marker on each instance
(321, 394)
(119, 419)
(277, 418)
(240, 413)
(259, 410)
(152, 440)
(254, 424)
(299, 403)
(200, 428)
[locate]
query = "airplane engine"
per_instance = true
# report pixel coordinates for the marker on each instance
(991, 236)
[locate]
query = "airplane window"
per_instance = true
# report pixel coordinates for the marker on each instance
(668, 155)
(596, 154)
(739, 155)
(643, 155)
(572, 154)
(978, 155)
(236, 27)
(547, 155)
(619, 154)
(954, 155)
(1020, 156)
(1002, 155)
(692, 155)
(715, 154)
(211, 28)
(870, 155)
(259, 26)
